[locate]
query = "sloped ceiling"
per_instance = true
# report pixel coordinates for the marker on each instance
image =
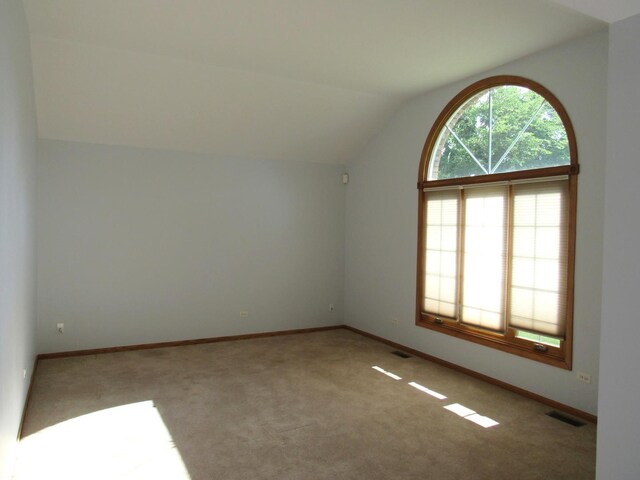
(304, 80)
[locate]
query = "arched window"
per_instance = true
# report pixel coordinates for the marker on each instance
(496, 237)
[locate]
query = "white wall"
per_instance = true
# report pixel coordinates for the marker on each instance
(17, 278)
(381, 219)
(138, 245)
(619, 419)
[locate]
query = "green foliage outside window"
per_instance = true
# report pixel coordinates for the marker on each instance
(503, 129)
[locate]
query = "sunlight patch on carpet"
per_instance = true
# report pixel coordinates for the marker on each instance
(388, 374)
(125, 442)
(485, 422)
(460, 410)
(471, 415)
(428, 391)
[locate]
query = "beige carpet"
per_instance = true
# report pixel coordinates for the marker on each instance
(307, 406)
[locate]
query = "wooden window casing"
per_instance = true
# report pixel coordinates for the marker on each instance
(506, 340)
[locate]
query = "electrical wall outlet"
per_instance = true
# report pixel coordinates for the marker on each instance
(24, 373)
(244, 313)
(584, 377)
(331, 307)
(395, 320)
(60, 328)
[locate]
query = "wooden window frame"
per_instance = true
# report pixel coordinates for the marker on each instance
(560, 357)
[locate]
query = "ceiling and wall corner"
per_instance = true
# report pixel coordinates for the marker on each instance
(607, 10)
(265, 79)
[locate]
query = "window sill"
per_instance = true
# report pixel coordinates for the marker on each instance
(507, 343)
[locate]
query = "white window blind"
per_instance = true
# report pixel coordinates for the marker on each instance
(539, 260)
(474, 291)
(484, 256)
(441, 258)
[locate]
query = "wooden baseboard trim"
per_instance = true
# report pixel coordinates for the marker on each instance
(180, 343)
(494, 381)
(27, 399)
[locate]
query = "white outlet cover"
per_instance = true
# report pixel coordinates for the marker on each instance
(584, 377)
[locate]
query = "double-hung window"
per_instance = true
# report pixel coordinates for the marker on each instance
(496, 237)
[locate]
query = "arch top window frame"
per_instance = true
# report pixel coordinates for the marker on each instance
(528, 343)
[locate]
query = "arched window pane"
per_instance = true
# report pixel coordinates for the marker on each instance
(502, 129)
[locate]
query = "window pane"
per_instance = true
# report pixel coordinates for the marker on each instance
(484, 265)
(504, 143)
(539, 265)
(502, 129)
(554, 342)
(441, 260)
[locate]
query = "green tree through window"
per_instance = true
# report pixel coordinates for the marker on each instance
(503, 129)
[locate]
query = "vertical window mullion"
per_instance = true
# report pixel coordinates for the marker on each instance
(509, 258)
(460, 259)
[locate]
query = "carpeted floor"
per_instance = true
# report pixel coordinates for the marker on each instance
(308, 406)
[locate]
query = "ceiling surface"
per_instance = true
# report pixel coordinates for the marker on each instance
(308, 80)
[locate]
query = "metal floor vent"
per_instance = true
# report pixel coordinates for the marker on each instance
(401, 354)
(566, 419)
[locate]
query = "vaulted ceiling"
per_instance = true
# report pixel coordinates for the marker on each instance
(304, 80)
